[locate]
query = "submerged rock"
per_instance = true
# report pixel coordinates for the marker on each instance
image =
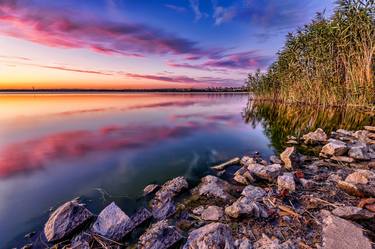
(289, 157)
(334, 148)
(159, 236)
(316, 137)
(212, 213)
(270, 172)
(246, 206)
(342, 234)
(353, 213)
(112, 223)
(286, 182)
(65, 220)
(211, 236)
(212, 186)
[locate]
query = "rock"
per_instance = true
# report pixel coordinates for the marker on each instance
(171, 188)
(27, 246)
(360, 177)
(140, 216)
(162, 209)
(294, 142)
(316, 137)
(359, 151)
(65, 220)
(362, 136)
(81, 241)
(370, 128)
(211, 236)
(150, 189)
(343, 159)
(246, 206)
(198, 210)
(345, 132)
(243, 243)
(342, 234)
(289, 157)
(286, 182)
(334, 148)
(243, 176)
(159, 236)
(222, 166)
(307, 184)
(334, 178)
(270, 172)
(275, 159)
(112, 223)
(212, 213)
(212, 186)
(266, 243)
(353, 213)
(245, 161)
(350, 188)
(254, 193)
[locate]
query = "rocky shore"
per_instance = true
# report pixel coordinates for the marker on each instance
(321, 200)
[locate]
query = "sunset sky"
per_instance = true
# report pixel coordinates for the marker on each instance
(143, 43)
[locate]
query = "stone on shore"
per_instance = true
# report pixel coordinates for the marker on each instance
(243, 176)
(212, 213)
(246, 206)
(245, 161)
(342, 234)
(112, 223)
(171, 188)
(212, 186)
(243, 243)
(360, 177)
(140, 216)
(267, 243)
(334, 148)
(289, 157)
(353, 213)
(269, 173)
(254, 193)
(286, 182)
(159, 236)
(162, 209)
(359, 151)
(211, 236)
(149, 189)
(275, 159)
(370, 128)
(316, 137)
(64, 220)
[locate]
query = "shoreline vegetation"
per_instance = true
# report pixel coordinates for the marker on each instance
(329, 61)
(288, 201)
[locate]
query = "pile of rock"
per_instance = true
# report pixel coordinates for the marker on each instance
(290, 201)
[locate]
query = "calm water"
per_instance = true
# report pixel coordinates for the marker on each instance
(107, 147)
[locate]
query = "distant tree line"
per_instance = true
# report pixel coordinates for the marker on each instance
(329, 61)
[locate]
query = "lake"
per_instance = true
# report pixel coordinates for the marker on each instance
(108, 147)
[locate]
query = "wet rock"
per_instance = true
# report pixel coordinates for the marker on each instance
(212, 186)
(159, 236)
(286, 182)
(246, 206)
(211, 236)
(254, 193)
(140, 216)
(359, 151)
(342, 234)
(267, 243)
(316, 137)
(334, 148)
(353, 213)
(243, 176)
(343, 159)
(162, 209)
(64, 220)
(289, 157)
(150, 189)
(370, 128)
(112, 223)
(275, 159)
(171, 188)
(270, 172)
(243, 243)
(212, 213)
(198, 210)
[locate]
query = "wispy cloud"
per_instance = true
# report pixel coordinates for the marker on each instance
(194, 4)
(176, 8)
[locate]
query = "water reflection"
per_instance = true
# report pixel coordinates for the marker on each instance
(281, 120)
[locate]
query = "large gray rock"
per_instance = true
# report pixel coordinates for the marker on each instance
(212, 213)
(65, 220)
(159, 236)
(254, 193)
(342, 234)
(211, 236)
(243, 176)
(286, 182)
(359, 151)
(334, 148)
(140, 216)
(289, 157)
(112, 223)
(316, 137)
(212, 186)
(162, 209)
(246, 206)
(267, 243)
(171, 188)
(353, 213)
(269, 173)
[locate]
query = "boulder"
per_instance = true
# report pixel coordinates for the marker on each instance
(289, 157)
(159, 236)
(286, 182)
(342, 234)
(150, 189)
(316, 137)
(139, 217)
(254, 193)
(211, 236)
(353, 213)
(359, 151)
(246, 206)
(212, 213)
(275, 159)
(212, 186)
(171, 188)
(269, 173)
(267, 243)
(112, 223)
(360, 177)
(162, 209)
(65, 220)
(334, 148)
(243, 176)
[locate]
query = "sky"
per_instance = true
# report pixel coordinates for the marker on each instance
(123, 44)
